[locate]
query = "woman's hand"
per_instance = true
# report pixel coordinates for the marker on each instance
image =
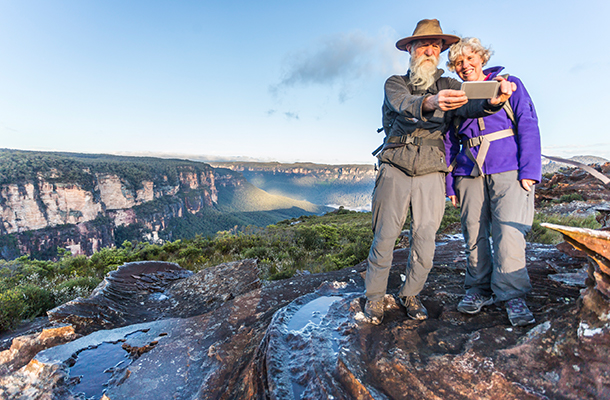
(505, 90)
(527, 184)
(454, 201)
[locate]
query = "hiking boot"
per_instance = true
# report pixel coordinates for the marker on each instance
(473, 302)
(373, 310)
(415, 309)
(518, 313)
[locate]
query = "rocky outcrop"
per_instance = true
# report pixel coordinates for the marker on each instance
(576, 183)
(221, 334)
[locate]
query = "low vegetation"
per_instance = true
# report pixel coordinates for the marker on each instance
(539, 234)
(29, 287)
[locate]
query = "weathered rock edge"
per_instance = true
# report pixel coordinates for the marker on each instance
(248, 345)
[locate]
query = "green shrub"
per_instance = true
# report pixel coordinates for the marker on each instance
(37, 301)
(73, 288)
(23, 302)
(12, 308)
(539, 234)
(568, 198)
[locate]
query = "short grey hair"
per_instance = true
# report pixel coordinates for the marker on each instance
(457, 50)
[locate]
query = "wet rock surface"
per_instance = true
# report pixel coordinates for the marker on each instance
(224, 335)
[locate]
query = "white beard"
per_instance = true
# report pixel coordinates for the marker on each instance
(422, 73)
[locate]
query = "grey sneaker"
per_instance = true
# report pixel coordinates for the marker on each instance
(373, 310)
(473, 302)
(518, 313)
(415, 309)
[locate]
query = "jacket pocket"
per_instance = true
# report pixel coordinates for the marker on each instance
(402, 157)
(430, 159)
(415, 160)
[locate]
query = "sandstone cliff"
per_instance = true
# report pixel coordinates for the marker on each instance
(86, 202)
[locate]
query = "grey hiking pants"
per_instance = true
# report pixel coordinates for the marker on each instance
(395, 194)
(495, 205)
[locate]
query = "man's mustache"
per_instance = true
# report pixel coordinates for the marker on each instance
(427, 58)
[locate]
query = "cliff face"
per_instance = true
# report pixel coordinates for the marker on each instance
(43, 204)
(43, 215)
(85, 202)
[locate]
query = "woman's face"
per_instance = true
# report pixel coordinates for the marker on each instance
(469, 66)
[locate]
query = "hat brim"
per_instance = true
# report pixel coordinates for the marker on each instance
(448, 40)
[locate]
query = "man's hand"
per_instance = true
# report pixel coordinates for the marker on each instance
(527, 184)
(454, 200)
(504, 92)
(445, 100)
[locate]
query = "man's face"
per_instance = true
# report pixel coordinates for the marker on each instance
(425, 55)
(428, 48)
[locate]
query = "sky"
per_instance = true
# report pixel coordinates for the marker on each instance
(271, 80)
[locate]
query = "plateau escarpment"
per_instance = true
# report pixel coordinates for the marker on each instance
(86, 202)
(348, 185)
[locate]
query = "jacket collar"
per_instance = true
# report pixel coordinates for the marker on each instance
(493, 71)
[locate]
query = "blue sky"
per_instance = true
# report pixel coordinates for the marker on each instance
(273, 80)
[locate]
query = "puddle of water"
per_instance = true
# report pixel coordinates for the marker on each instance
(91, 365)
(297, 390)
(312, 312)
(95, 366)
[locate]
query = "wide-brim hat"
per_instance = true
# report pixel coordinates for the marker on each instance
(428, 29)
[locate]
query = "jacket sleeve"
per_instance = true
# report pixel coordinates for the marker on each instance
(398, 98)
(528, 133)
(477, 109)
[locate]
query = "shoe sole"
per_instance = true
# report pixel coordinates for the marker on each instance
(485, 303)
(400, 300)
(523, 322)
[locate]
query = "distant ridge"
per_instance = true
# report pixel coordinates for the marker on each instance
(550, 167)
(346, 185)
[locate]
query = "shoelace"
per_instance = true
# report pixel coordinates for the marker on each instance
(472, 297)
(516, 307)
(412, 301)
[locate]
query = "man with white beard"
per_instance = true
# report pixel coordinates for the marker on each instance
(418, 110)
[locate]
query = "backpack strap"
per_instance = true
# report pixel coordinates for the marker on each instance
(408, 139)
(483, 142)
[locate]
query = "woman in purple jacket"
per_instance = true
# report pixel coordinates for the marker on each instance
(496, 163)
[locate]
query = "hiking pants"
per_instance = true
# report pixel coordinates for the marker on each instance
(395, 194)
(495, 205)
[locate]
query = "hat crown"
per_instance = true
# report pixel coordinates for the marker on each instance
(427, 27)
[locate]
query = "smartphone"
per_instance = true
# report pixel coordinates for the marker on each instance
(481, 89)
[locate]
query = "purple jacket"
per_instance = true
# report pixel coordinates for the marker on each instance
(520, 152)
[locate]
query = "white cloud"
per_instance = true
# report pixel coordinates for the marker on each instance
(342, 61)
